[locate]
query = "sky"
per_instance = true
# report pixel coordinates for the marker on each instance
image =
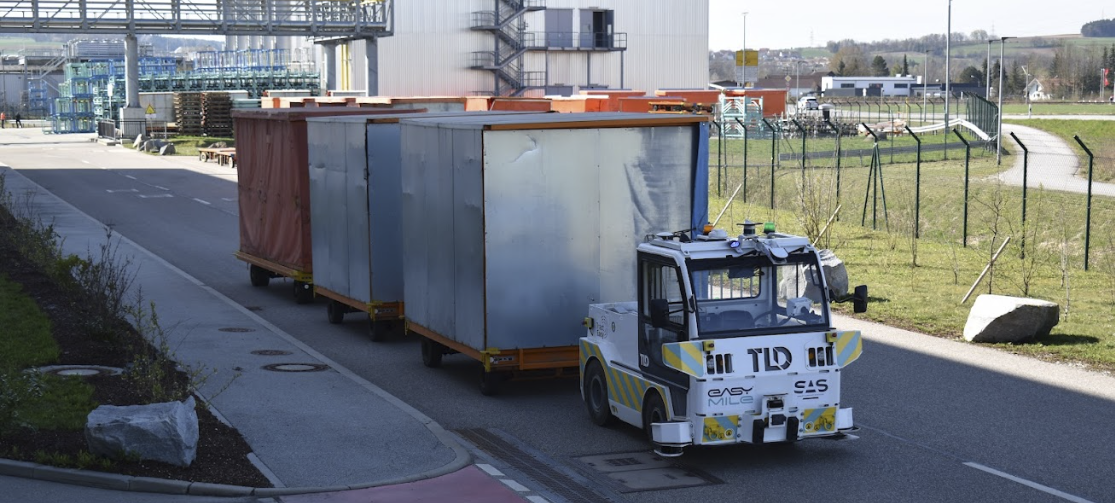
(811, 23)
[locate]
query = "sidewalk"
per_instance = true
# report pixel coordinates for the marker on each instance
(311, 431)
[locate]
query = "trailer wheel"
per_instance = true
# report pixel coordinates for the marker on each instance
(259, 275)
(596, 395)
(490, 382)
(654, 411)
(432, 353)
(303, 292)
(336, 312)
(377, 330)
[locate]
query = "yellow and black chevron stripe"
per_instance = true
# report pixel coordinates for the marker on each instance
(623, 387)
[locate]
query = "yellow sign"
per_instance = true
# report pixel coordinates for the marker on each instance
(150, 109)
(751, 59)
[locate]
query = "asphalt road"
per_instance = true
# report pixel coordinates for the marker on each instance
(941, 420)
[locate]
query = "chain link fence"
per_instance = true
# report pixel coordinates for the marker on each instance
(930, 185)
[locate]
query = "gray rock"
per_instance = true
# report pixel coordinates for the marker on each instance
(999, 318)
(836, 275)
(167, 149)
(138, 141)
(166, 432)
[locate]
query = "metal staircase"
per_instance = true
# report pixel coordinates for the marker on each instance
(505, 61)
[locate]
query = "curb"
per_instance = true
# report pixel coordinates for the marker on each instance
(462, 457)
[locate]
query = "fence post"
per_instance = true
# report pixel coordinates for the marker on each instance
(967, 160)
(1025, 169)
(802, 131)
(838, 155)
(773, 157)
(917, 186)
(1088, 218)
(719, 156)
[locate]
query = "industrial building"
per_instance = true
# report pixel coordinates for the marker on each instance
(899, 85)
(516, 47)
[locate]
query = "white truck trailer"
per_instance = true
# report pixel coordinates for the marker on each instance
(730, 341)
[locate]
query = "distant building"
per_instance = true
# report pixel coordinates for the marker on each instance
(798, 85)
(869, 86)
(1036, 91)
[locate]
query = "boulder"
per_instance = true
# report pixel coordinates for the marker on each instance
(836, 275)
(166, 432)
(138, 141)
(167, 149)
(999, 318)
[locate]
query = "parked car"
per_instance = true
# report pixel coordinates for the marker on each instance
(807, 103)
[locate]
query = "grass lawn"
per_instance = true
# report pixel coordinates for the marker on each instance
(918, 284)
(1041, 108)
(188, 145)
(64, 402)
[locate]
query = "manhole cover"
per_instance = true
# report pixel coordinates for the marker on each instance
(237, 330)
(295, 367)
(271, 352)
(644, 471)
(80, 370)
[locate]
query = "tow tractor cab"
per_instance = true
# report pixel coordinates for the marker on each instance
(730, 341)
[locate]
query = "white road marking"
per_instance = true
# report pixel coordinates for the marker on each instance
(228, 199)
(130, 176)
(112, 191)
(517, 487)
(202, 201)
(160, 187)
(491, 470)
(1027, 483)
(537, 499)
(86, 162)
(154, 196)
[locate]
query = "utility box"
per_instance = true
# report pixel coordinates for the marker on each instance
(514, 225)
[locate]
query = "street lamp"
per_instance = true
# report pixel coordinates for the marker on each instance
(744, 75)
(999, 134)
(987, 70)
(924, 85)
(948, 76)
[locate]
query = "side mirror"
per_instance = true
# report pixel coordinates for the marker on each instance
(859, 299)
(659, 312)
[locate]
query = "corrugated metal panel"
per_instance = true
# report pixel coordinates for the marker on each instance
(384, 206)
(564, 203)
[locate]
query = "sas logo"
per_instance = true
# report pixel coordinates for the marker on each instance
(811, 387)
(723, 397)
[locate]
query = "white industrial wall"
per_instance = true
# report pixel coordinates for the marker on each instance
(431, 50)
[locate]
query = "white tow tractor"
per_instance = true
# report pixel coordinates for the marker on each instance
(730, 341)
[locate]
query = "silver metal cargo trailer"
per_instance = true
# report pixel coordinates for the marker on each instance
(355, 193)
(514, 225)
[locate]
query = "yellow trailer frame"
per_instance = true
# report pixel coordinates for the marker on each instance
(262, 270)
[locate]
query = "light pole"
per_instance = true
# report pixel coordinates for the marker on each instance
(743, 78)
(1026, 91)
(924, 85)
(948, 76)
(987, 71)
(999, 134)
(797, 77)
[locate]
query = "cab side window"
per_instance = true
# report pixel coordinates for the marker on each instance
(663, 283)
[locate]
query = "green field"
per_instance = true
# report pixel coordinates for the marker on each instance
(918, 283)
(1042, 108)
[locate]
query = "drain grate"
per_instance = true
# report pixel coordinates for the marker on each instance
(644, 471)
(238, 330)
(271, 352)
(536, 467)
(295, 367)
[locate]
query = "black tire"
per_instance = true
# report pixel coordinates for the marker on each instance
(303, 292)
(596, 395)
(259, 276)
(654, 411)
(490, 382)
(336, 312)
(377, 330)
(432, 353)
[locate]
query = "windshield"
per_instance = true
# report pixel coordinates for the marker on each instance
(752, 296)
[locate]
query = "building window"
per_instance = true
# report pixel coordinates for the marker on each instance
(848, 85)
(902, 86)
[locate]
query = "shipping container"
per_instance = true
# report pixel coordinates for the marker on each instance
(355, 193)
(514, 225)
(274, 194)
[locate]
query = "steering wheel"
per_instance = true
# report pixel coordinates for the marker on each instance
(773, 319)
